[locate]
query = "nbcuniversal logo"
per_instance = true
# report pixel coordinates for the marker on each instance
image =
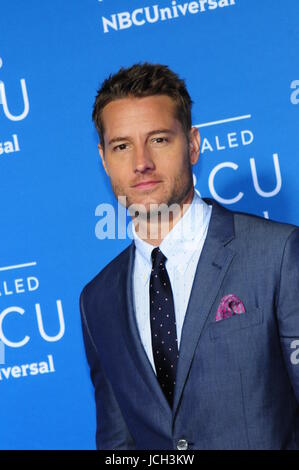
(154, 13)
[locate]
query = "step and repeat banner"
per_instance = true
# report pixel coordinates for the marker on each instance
(240, 62)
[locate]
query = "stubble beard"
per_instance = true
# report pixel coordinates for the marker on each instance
(183, 183)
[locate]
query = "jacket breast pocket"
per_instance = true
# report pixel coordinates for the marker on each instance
(235, 323)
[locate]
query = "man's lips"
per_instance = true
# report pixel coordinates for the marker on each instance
(146, 184)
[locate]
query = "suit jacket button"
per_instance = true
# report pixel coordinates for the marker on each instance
(182, 444)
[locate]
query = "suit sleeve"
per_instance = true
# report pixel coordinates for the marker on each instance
(288, 308)
(112, 431)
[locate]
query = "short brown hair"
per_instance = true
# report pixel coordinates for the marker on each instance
(141, 80)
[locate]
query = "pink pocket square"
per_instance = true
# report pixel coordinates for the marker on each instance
(229, 305)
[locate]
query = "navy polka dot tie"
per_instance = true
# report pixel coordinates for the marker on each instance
(163, 325)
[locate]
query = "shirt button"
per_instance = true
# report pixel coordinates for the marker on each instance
(182, 444)
(181, 268)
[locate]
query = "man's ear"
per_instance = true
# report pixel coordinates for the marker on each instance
(194, 145)
(102, 155)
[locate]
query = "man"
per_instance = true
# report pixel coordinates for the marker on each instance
(191, 335)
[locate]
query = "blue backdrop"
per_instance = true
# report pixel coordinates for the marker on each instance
(240, 62)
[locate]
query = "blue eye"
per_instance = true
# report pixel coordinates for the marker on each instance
(120, 147)
(160, 140)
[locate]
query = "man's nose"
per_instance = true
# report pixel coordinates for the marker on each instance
(143, 160)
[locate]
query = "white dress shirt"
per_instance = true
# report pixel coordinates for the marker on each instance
(182, 247)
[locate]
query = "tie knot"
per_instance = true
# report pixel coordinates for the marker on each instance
(158, 257)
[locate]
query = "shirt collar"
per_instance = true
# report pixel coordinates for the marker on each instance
(180, 243)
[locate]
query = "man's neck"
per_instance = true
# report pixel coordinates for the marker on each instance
(155, 229)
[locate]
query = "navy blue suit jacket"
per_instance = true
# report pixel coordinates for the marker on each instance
(237, 384)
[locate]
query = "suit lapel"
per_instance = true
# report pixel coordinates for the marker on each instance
(211, 269)
(134, 343)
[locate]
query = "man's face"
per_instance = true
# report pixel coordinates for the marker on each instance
(147, 156)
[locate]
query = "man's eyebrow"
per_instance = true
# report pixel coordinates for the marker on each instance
(160, 131)
(155, 131)
(118, 139)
